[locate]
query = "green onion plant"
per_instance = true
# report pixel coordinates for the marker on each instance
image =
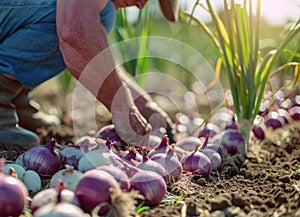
(236, 37)
(136, 30)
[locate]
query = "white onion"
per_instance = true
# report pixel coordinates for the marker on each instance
(32, 181)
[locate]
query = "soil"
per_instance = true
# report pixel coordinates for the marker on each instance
(267, 183)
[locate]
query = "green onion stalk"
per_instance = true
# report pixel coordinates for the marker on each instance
(236, 37)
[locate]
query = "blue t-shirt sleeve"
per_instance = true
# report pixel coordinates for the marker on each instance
(108, 16)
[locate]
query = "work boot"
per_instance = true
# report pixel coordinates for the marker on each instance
(12, 136)
(30, 114)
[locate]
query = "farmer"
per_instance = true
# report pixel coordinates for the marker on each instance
(40, 38)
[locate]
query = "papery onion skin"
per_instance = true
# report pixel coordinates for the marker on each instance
(214, 157)
(150, 185)
(13, 195)
(118, 174)
(49, 196)
(163, 147)
(231, 140)
(197, 163)
(70, 155)
(189, 143)
(63, 209)
(68, 176)
(42, 159)
(94, 188)
(171, 163)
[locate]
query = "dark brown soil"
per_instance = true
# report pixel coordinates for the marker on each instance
(267, 183)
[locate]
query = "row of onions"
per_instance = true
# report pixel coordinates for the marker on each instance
(98, 176)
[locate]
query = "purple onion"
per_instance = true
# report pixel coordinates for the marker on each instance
(149, 165)
(53, 196)
(109, 133)
(118, 174)
(189, 143)
(273, 120)
(13, 196)
(214, 157)
(285, 115)
(295, 112)
(197, 163)
(131, 155)
(232, 124)
(163, 147)
(231, 140)
(170, 162)
(258, 132)
(149, 184)
(43, 159)
(154, 141)
(63, 209)
(70, 155)
(209, 129)
(295, 101)
(94, 188)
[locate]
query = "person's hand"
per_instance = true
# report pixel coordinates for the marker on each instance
(129, 123)
(159, 120)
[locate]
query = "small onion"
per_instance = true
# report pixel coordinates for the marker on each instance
(231, 140)
(295, 112)
(209, 129)
(273, 120)
(154, 141)
(131, 155)
(53, 196)
(118, 174)
(197, 163)
(13, 196)
(109, 133)
(68, 176)
(94, 189)
(163, 147)
(32, 181)
(189, 143)
(232, 125)
(95, 158)
(70, 155)
(149, 184)
(43, 159)
(214, 157)
(170, 162)
(63, 209)
(149, 165)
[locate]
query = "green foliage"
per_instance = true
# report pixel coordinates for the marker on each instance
(138, 31)
(236, 36)
(64, 81)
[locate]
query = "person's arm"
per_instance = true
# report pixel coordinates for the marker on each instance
(83, 43)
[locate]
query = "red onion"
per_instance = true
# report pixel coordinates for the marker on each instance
(209, 129)
(118, 174)
(161, 148)
(63, 209)
(149, 184)
(94, 189)
(43, 159)
(214, 157)
(68, 176)
(285, 115)
(53, 196)
(109, 133)
(189, 143)
(149, 165)
(295, 112)
(259, 128)
(232, 125)
(130, 155)
(273, 120)
(170, 162)
(13, 196)
(295, 101)
(154, 141)
(231, 140)
(70, 155)
(197, 163)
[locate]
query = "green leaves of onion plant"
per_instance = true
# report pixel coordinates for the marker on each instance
(137, 30)
(236, 37)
